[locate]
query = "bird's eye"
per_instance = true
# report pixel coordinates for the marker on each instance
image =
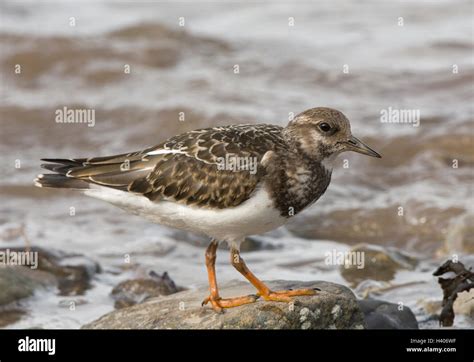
(325, 127)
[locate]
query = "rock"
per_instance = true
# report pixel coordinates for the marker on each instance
(9, 316)
(334, 306)
(384, 315)
(133, 291)
(380, 263)
(73, 272)
(18, 282)
(70, 272)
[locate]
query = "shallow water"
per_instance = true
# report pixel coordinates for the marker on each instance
(282, 69)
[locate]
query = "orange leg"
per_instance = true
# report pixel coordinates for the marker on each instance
(216, 301)
(263, 291)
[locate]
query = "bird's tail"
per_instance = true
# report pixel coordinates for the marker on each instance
(59, 178)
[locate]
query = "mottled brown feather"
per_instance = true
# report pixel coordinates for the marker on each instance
(190, 177)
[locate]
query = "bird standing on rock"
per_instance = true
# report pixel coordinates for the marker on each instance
(225, 182)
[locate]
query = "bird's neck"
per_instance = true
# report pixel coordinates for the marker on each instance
(301, 183)
(328, 162)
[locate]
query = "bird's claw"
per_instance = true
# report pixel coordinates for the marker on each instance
(286, 295)
(218, 303)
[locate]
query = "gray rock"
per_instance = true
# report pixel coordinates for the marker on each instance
(68, 274)
(380, 263)
(18, 282)
(384, 315)
(335, 306)
(72, 272)
(133, 291)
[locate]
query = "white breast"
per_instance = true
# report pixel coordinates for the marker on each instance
(255, 216)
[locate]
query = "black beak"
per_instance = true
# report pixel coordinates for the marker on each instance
(356, 145)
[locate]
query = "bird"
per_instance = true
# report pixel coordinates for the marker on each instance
(226, 182)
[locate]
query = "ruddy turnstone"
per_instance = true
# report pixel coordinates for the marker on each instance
(225, 182)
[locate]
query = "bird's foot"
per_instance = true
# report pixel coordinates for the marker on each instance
(218, 304)
(285, 295)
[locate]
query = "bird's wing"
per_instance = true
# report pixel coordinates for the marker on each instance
(191, 168)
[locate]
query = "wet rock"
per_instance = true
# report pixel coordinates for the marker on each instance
(333, 307)
(134, 291)
(379, 314)
(9, 316)
(380, 264)
(18, 282)
(75, 274)
(454, 279)
(66, 273)
(72, 272)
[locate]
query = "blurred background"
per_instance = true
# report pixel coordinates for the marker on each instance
(143, 67)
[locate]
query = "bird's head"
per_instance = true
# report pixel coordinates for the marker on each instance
(323, 133)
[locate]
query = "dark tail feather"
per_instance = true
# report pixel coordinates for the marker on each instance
(64, 161)
(79, 173)
(55, 167)
(60, 182)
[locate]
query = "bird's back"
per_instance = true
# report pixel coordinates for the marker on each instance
(193, 168)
